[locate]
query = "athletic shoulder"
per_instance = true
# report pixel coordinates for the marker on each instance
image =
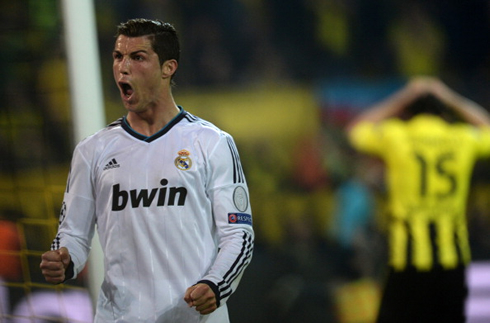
(103, 135)
(204, 128)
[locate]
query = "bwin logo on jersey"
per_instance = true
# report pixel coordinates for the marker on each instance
(183, 161)
(145, 198)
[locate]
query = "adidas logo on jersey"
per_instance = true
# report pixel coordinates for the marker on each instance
(112, 164)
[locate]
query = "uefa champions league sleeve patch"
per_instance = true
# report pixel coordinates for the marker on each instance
(240, 199)
(239, 218)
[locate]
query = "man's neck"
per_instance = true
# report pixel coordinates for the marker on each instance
(153, 120)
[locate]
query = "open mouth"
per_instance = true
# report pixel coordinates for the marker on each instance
(126, 89)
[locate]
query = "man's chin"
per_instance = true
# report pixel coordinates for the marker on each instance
(130, 105)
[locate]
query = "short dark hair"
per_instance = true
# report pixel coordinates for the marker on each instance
(429, 103)
(163, 36)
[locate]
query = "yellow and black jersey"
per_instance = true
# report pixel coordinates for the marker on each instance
(429, 163)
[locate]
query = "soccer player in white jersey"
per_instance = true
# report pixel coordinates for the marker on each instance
(165, 191)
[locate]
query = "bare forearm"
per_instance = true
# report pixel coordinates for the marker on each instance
(395, 104)
(392, 106)
(467, 109)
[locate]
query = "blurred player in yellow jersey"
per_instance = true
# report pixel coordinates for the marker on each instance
(429, 138)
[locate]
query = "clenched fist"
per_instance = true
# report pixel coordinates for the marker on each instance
(202, 297)
(54, 264)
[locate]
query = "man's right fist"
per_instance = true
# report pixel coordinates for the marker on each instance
(53, 265)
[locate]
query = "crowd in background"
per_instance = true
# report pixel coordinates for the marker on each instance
(321, 239)
(249, 41)
(244, 42)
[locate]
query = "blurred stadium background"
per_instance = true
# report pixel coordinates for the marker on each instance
(282, 77)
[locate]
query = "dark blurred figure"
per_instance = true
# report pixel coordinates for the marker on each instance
(429, 157)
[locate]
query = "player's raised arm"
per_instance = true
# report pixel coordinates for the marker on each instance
(467, 109)
(393, 105)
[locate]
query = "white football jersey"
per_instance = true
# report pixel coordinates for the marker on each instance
(170, 210)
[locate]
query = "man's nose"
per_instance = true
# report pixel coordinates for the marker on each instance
(125, 66)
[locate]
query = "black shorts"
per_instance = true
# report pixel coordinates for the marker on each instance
(416, 297)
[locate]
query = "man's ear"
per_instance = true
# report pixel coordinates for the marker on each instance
(169, 67)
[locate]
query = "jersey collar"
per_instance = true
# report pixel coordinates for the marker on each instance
(127, 127)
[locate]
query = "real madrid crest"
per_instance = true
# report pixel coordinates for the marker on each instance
(183, 161)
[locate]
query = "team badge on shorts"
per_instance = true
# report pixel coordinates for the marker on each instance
(183, 161)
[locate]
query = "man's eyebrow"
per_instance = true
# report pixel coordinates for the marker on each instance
(115, 51)
(139, 51)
